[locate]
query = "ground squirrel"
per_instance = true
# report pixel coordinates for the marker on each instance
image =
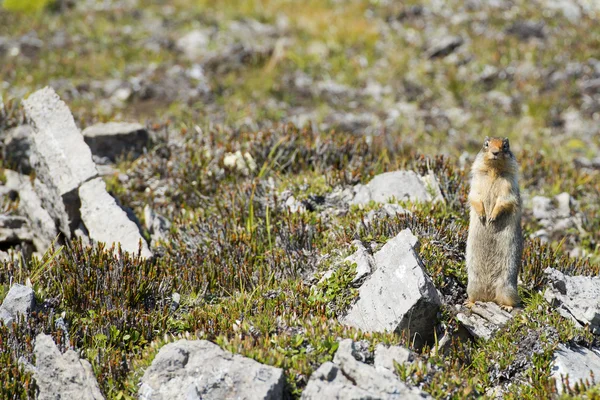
(495, 242)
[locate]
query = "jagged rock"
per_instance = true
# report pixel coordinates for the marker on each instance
(387, 210)
(42, 225)
(200, 369)
(575, 297)
(20, 300)
(114, 139)
(554, 215)
(14, 229)
(347, 378)
(17, 147)
(443, 46)
(484, 319)
(398, 295)
(62, 376)
(545, 208)
(107, 222)
(576, 362)
(61, 158)
(157, 225)
(365, 263)
(399, 185)
(385, 356)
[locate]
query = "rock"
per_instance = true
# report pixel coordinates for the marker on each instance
(62, 159)
(14, 229)
(294, 206)
(200, 369)
(525, 30)
(575, 297)
(62, 376)
(20, 300)
(399, 295)
(577, 363)
(157, 225)
(399, 185)
(365, 263)
(114, 139)
(555, 215)
(42, 225)
(443, 46)
(387, 210)
(484, 319)
(107, 222)
(17, 148)
(385, 356)
(194, 44)
(347, 378)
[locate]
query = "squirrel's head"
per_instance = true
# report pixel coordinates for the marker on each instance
(496, 149)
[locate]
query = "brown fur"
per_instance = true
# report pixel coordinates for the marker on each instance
(495, 243)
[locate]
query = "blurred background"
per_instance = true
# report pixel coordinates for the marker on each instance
(434, 76)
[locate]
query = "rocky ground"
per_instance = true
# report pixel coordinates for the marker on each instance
(287, 182)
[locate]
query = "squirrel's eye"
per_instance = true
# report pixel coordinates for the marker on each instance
(486, 144)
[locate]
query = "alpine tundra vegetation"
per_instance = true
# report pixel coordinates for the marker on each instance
(288, 182)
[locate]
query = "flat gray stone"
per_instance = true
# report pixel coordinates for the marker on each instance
(61, 158)
(106, 222)
(115, 139)
(575, 297)
(20, 300)
(484, 319)
(348, 378)
(399, 295)
(398, 185)
(576, 362)
(200, 369)
(62, 376)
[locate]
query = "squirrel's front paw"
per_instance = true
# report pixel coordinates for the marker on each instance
(482, 219)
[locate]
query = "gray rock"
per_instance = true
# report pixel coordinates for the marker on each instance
(399, 185)
(20, 300)
(385, 356)
(200, 369)
(525, 30)
(399, 295)
(107, 222)
(545, 208)
(577, 363)
(443, 46)
(14, 229)
(194, 44)
(63, 376)
(387, 210)
(365, 263)
(347, 378)
(17, 148)
(61, 158)
(114, 139)
(484, 319)
(575, 297)
(157, 225)
(42, 225)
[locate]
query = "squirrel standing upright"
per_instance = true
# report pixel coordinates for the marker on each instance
(495, 241)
